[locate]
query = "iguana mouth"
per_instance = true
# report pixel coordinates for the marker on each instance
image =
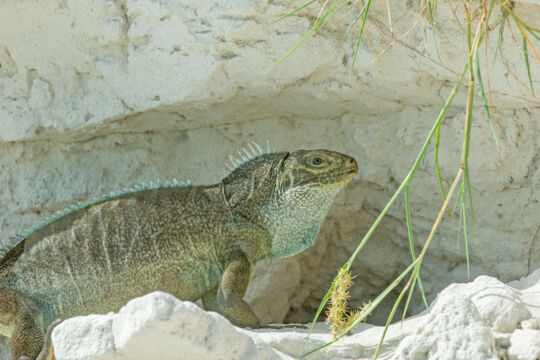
(330, 178)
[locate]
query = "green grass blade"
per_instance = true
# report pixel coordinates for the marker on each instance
(486, 104)
(311, 32)
(533, 31)
(321, 307)
(414, 278)
(360, 35)
(499, 36)
(431, 13)
(473, 218)
(411, 173)
(422, 292)
(411, 244)
(353, 24)
(290, 13)
(460, 215)
(466, 236)
(491, 6)
(392, 313)
(373, 306)
(409, 223)
(437, 170)
(530, 29)
(334, 13)
(526, 55)
(408, 178)
(459, 197)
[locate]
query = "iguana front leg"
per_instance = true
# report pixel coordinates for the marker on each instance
(21, 320)
(227, 298)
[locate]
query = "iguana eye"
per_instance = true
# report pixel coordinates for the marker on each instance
(317, 161)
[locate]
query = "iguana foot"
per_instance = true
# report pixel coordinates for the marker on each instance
(240, 314)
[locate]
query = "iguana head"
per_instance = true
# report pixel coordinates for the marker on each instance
(289, 194)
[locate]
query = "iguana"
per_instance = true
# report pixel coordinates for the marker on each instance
(190, 241)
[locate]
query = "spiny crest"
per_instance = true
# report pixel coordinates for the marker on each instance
(81, 205)
(244, 155)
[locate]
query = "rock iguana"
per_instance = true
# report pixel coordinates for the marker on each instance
(190, 241)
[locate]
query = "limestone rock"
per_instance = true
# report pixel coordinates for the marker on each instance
(525, 345)
(87, 337)
(156, 326)
(464, 323)
(454, 330)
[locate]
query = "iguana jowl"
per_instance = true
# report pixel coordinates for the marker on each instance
(191, 241)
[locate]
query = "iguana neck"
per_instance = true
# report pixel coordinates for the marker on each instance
(260, 192)
(294, 228)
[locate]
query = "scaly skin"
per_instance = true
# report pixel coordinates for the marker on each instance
(192, 242)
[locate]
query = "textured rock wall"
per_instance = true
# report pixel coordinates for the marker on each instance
(95, 96)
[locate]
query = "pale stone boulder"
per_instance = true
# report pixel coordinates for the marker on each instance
(484, 319)
(156, 326)
(85, 338)
(525, 345)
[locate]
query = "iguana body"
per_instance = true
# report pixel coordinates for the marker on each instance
(193, 242)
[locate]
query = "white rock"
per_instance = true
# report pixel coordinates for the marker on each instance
(85, 338)
(156, 326)
(160, 326)
(453, 330)
(498, 304)
(524, 345)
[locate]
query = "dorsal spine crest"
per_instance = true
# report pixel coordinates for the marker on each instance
(244, 155)
(82, 205)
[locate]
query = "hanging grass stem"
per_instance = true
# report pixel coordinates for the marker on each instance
(407, 179)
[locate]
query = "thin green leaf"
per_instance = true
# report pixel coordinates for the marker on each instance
(499, 37)
(321, 307)
(486, 104)
(373, 306)
(415, 264)
(489, 14)
(460, 215)
(311, 32)
(518, 21)
(290, 13)
(360, 35)
(407, 179)
(433, 31)
(437, 170)
(353, 24)
(526, 55)
(411, 244)
(418, 261)
(334, 13)
(411, 290)
(473, 218)
(466, 236)
(459, 197)
(392, 313)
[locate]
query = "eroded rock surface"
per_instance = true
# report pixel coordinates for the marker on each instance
(482, 319)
